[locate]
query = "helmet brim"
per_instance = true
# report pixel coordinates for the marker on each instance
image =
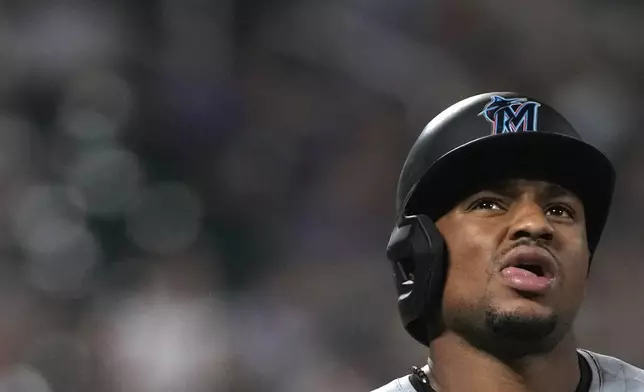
(569, 162)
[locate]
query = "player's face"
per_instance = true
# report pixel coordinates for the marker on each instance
(518, 265)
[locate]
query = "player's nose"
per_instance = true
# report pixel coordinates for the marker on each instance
(529, 221)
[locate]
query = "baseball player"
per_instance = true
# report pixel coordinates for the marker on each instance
(501, 206)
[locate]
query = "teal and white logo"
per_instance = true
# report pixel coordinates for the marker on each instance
(511, 114)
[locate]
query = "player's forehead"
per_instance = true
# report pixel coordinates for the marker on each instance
(517, 186)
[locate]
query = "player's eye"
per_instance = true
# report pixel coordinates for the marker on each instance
(486, 204)
(560, 211)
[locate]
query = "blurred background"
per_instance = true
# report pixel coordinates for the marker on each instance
(196, 195)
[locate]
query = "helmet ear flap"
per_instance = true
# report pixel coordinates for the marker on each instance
(418, 255)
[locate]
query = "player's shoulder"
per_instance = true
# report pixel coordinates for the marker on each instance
(609, 374)
(612, 374)
(402, 384)
(398, 385)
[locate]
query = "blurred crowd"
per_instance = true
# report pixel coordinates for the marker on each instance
(196, 195)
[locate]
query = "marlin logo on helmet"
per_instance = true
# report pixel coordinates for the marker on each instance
(511, 114)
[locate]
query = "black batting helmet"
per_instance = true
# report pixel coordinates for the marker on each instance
(484, 137)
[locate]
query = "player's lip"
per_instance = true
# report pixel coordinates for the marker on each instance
(535, 258)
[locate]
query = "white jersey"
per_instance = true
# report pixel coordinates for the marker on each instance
(609, 374)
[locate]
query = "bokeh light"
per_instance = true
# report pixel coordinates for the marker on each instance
(166, 218)
(104, 181)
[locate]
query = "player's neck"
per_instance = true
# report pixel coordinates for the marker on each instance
(457, 366)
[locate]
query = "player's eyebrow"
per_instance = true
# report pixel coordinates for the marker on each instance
(511, 189)
(554, 191)
(502, 187)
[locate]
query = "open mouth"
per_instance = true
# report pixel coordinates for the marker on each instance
(532, 261)
(529, 269)
(535, 269)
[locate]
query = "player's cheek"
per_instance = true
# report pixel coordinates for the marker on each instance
(465, 281)
(574, 285)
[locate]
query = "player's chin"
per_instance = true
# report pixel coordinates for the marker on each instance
(527, 308)
(515, 300)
